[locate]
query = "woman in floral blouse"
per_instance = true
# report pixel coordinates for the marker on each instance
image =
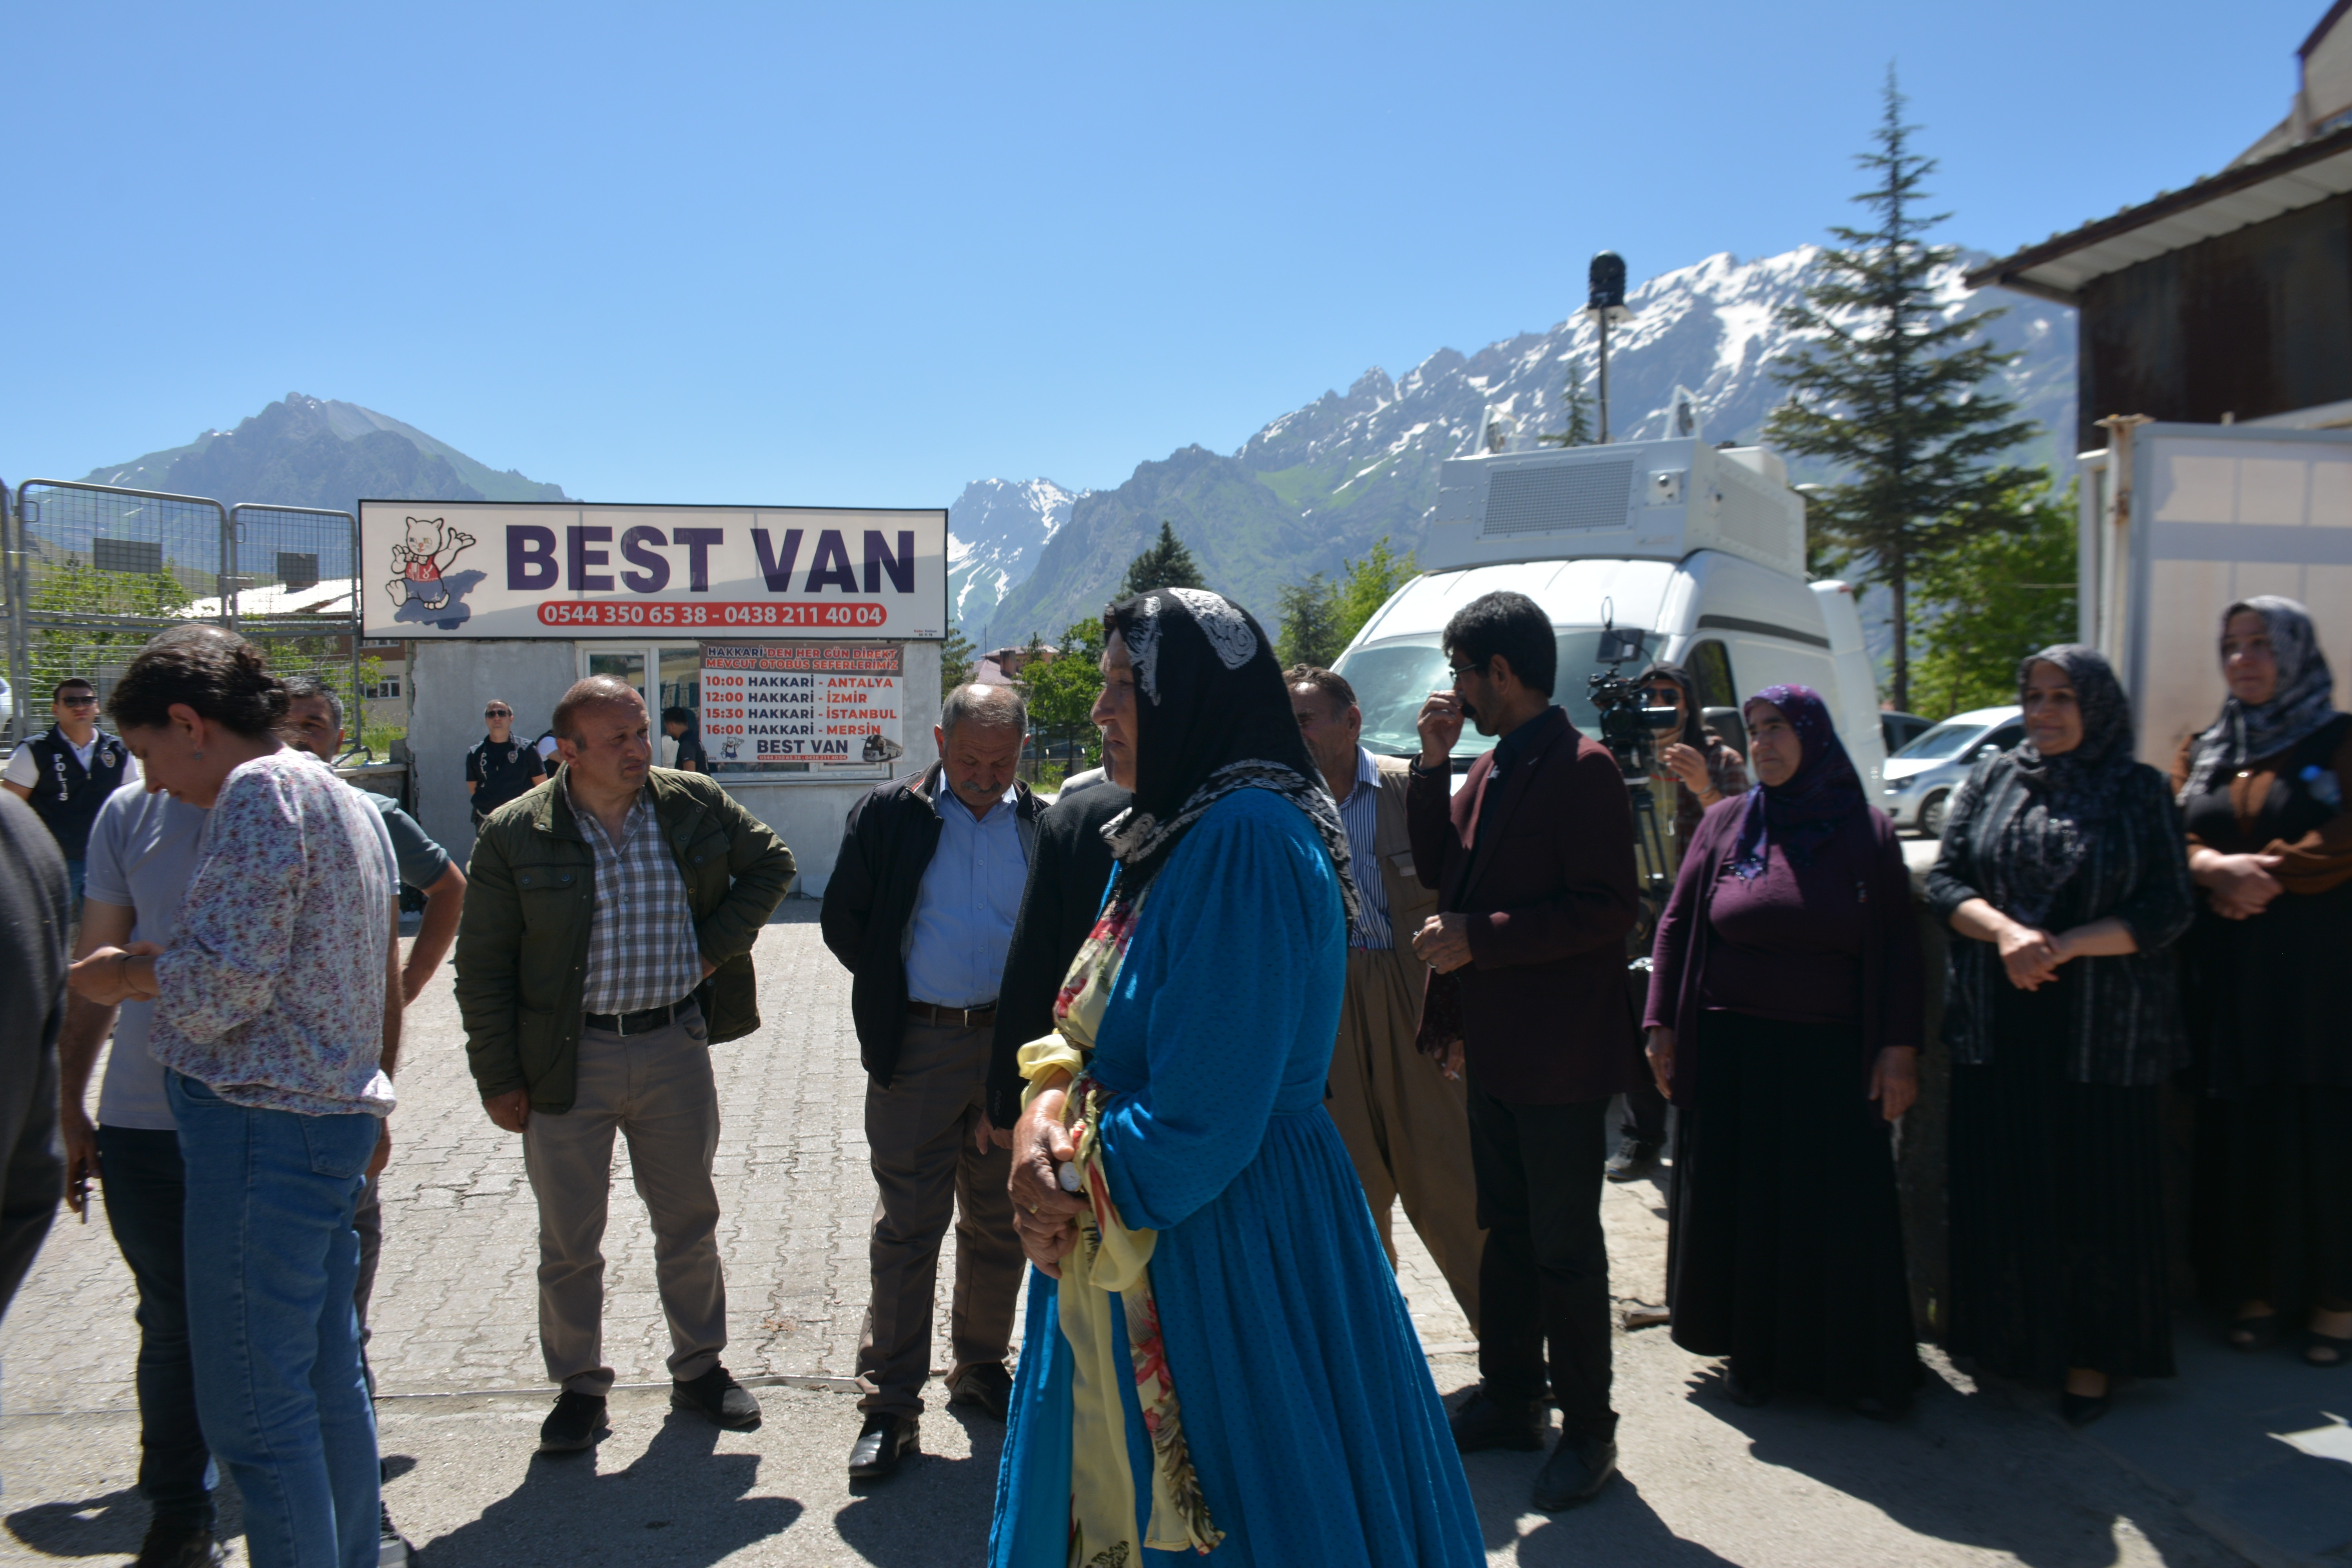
(276, 1018)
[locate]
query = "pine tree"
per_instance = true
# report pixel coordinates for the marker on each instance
(1890, 393)
(956, 662)
(1166, 564)
(1579, 404)
(1310, 622)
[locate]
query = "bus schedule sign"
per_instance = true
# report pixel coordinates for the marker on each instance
(560, 569)
(802, 704)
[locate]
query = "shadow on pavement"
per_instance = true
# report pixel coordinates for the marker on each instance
(680, 1505)
(110, 1526)
(1973, 1469)
(91, 1527)
(907, 1521)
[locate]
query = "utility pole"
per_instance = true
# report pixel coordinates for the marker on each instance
(1605, 303)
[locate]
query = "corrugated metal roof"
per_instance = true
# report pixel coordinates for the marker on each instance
(2060, 266)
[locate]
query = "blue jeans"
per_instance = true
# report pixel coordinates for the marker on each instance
(143, 1182)
(73, 871)
(272, 1261)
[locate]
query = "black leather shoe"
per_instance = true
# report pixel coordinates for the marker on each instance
(1633, 1159)
(988, 1387)
(1574, 1474)
(1486, 1423)
(1744, 1390)
(882, 1442)
(572, 1425)
(2081, 1409)
(718, 1399)
(178, 1543)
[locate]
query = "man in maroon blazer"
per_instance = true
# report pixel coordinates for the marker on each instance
(1533, 861)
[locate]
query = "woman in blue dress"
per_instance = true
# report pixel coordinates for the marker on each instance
(1216, 1357)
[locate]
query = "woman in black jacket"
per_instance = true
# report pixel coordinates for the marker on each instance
(2063, 871)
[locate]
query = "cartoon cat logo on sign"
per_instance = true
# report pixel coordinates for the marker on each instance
(423, 558)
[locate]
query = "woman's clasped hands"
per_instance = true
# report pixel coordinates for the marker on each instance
(1045, 1217)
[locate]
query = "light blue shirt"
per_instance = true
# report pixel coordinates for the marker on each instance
(1359, 814)
(969, 898)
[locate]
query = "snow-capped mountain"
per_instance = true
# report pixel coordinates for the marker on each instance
(995, 529)
(1318, 485)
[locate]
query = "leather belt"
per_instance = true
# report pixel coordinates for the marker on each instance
(955, 1017)
(640, 1022)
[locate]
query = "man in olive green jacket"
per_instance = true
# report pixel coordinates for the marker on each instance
(605, 946)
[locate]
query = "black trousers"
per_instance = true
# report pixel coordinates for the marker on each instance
(1645, 1115)
(1543, 1279)
(144, 1187)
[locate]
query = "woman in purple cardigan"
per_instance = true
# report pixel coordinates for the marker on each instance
(1784, 1023)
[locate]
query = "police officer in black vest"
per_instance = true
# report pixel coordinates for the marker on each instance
(503, 766)
(67, 773)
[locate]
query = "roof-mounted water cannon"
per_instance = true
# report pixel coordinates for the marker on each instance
(1605, 303)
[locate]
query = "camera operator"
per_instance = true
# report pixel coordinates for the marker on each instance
(1702, 768)
(1533, 861)
(1692, 766)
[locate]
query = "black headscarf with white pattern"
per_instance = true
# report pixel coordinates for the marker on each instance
(2068, 797)
(1212, 717)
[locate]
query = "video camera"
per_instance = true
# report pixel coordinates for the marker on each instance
(1629, 727)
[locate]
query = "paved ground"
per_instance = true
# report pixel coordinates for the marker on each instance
(1978, 1476)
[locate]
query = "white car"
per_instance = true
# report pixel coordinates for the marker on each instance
(1921, 777)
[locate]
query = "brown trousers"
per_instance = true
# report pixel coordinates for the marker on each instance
(1405, 1123)
(656, 1091)
(918, 1134)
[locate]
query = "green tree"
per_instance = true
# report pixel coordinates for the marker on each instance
(1166, 564)
(1579, 404)
(1998, 598)
(1062, 695)
(80, 589)
(1309, 628)
(1891, 390)
(1367, 584)
(957, 662)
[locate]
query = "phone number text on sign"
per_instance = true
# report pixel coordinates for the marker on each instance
(736, 613)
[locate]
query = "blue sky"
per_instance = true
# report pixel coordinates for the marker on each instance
(861, 253)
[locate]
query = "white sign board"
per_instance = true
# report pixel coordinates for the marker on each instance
(431, 570)
(819, 704)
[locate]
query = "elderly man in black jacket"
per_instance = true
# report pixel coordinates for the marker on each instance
(921, 909)
(1068, 877)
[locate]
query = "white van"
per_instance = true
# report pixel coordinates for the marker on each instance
(1700, 549)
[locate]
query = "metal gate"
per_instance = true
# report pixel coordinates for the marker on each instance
(297, 594)
(94, 570)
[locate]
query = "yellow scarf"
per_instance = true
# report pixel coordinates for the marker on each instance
(1112, 1257)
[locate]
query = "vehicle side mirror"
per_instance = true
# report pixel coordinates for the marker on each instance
(1728, 723)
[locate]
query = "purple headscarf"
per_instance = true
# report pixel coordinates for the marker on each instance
(1801, 814)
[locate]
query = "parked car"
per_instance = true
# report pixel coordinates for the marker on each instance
(1921, 777)
(1900, 730)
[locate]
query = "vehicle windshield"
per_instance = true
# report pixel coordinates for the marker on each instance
(1392, 680)
(1947, 739)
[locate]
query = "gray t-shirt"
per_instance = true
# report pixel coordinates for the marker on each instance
(143, 849)
(422, 861)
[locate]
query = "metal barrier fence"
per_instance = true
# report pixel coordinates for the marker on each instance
(94, 570)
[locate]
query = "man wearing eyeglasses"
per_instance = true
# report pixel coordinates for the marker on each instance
(66, 774)
(501, 768)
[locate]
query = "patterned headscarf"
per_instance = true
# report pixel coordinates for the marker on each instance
(2070, 796)
(2303, 702)
(1801, 814)
(1212, 716)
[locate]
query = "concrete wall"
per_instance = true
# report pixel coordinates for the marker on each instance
(449, 682)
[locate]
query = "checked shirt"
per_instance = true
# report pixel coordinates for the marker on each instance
(642, 951)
